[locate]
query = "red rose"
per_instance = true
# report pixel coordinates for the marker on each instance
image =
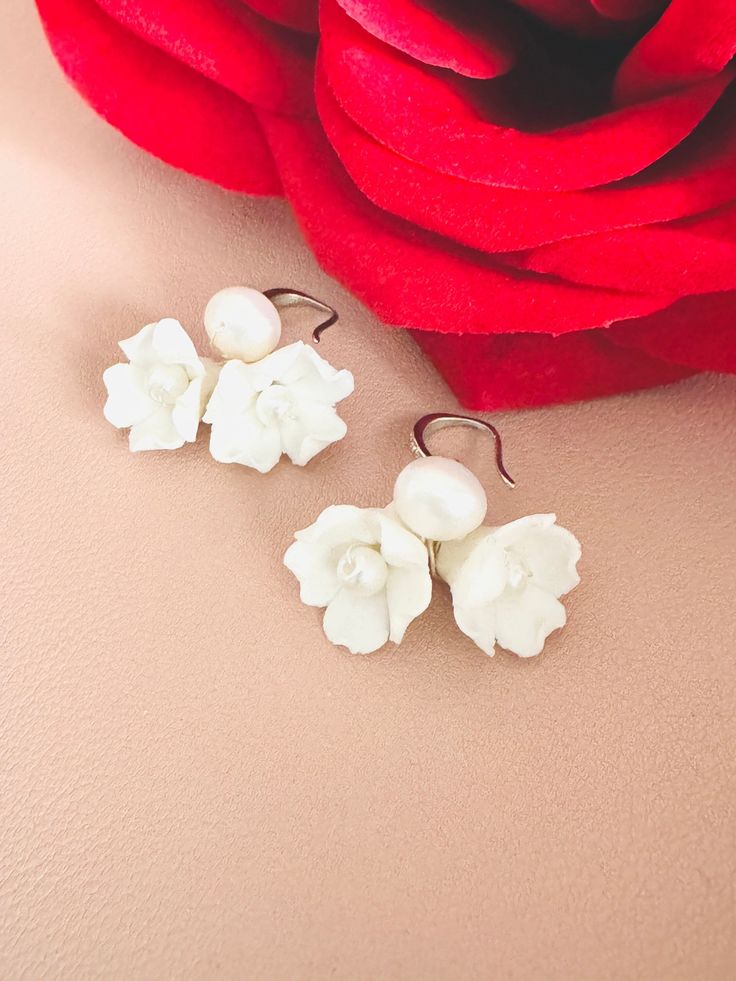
(544, 190)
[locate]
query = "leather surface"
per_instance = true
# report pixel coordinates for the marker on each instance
(194, 784)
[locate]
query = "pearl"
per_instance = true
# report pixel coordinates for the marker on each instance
(363, 569)
(439, 499)
(242, 323)
(166, 382)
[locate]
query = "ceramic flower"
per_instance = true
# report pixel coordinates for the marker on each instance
(284, 403)
(506, 582)
(161, 393)
(368, 570)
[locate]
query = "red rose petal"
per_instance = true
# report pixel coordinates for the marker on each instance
(577, 16)
(415, 277)
(692, 40)
(159, 103)
(698, 332)
(411, 278)
(262, 63)
(694, 178)
(421, 32)
(522, 370)
(423, 116)
(302, 15)
(694, 256)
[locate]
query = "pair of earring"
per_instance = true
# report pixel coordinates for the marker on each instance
(370, 569)
(261, 401)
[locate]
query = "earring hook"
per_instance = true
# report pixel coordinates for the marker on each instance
(290, 298)
(441, 420)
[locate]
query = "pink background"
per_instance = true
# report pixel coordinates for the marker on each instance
(194, 784)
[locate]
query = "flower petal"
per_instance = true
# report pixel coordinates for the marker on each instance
(187, 411)
(173, 345)
(425, 115)
(408, 591)
(157, 432)
(549, 551)
(240, 438)
(479, 48)
(316, 428)
(360, 623)
(275, 366)
(308, 375)
(432, 287)
(400, 547)
(127, 402)
(184, 109)
(234, 391)
(474, 567)
(342, 524)
(209, 380)
(525, 618)
(478, 623)
(139, 347)
(314, 378)
(331, 390)
(313, 566)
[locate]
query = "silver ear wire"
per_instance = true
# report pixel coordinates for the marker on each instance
(281, 297)
(443, 420)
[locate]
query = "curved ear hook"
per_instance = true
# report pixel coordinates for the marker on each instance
(288, 298)
(441, 420)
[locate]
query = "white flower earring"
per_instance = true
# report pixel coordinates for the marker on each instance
(270, 402)
(372, 568)
(261, 403)
(162, 392)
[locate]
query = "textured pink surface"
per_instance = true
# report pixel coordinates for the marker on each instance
(194, 784)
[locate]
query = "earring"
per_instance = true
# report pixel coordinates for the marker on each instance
(261, 403)
(372, 568)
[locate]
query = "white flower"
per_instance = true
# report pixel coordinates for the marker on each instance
(284, 403)
(162, 392)
(506, 582)
(370, 572)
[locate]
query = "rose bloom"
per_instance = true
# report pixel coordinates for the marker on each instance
(544, 190)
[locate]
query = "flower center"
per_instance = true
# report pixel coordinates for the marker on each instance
(517, 572)
(364, 569)
(166, 382)
(274, 404)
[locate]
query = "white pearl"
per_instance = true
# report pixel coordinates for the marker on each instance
(439, 499)
(242, 323)
(363, 569)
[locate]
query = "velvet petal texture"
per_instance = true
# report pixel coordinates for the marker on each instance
(250, 56)
(373, 251)
(699, 176)
(544, 191)
(301, 15)
(157, 101)
(692, 40)
(419, 31)
(429, 119)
